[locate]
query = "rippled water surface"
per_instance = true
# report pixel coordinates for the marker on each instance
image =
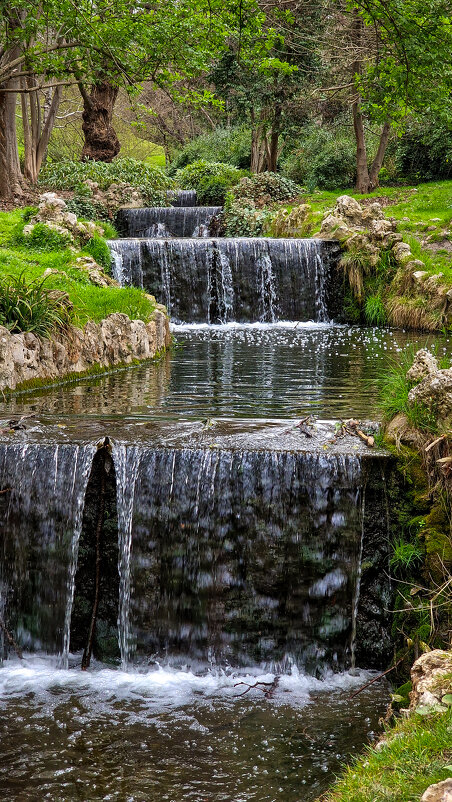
(251, 371)
(174, 735)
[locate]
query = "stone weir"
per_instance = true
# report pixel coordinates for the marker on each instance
(182, 197)
(166, 221)
(237, 556)
(221, 280)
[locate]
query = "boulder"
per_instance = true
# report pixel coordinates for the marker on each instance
(350, 209)
(440, 792)
(402, 253)
(424, 365)
(431, 680)
(435, 392)
(334, 228)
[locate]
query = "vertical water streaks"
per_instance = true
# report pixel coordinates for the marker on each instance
(222, 280)
(83, 459)
(126, 461)
(182, 197)
(356, 595)
(42, 525)
(190, 221)
(245, 556)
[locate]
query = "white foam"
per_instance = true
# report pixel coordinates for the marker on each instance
(160, 687)
(232, 326)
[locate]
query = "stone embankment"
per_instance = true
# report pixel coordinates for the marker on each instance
(115, 341)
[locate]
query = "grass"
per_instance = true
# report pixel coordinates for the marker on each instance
(427, 206)
(418, 753)
(89, 302)
(394, 395)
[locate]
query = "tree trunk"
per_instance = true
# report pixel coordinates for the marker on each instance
(258, 146)
(362, 170)
(378, 161)
(10, 173)
(273, 141)
(38, 126)
(101, 142)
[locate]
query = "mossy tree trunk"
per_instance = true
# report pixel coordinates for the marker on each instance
(101, 142)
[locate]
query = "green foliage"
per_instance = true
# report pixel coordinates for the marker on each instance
(151, 181)
(228, 145)
(241, 218)
(425, 150)
(405, 555)
(374, 311)
(46, 238)
(211, 180)
(99, 250)
(84, 207)
(395, 388)
(323, 159)
(267, 187)
(31, 306)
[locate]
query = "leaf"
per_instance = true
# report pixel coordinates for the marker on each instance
(447, 699)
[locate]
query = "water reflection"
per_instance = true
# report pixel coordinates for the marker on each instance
(254, 371)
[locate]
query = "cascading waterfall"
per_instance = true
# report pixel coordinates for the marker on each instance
(40, 540)
(223, 555)
(182, 197)
(174, 221)
(219, 280)
(126, 462)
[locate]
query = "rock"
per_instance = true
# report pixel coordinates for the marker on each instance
(431, 680)
(424, 365)
(350, 209)
(402, 253)
(115, 340)
(419, 275)
(435, 392)
(440, 792)
(334, 227)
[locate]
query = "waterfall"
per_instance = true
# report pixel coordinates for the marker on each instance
(182, 197)
(219, 280)
(126, 462)
(40, 540)
(166, 221)
(230, 551)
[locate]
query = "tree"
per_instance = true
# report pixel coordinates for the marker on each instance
(391, 58)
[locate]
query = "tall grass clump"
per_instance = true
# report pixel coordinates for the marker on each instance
(394, 391)
(374, 311)
(31, 306)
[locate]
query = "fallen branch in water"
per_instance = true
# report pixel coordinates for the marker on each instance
(352, 427)
(380, 676)
(268, 687)
(10, 639)
(6, 490)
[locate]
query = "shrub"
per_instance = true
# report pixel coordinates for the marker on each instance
(211, 180)
(32, 306)
(424, 152)
(151, 181)
(46, 238)
(265, 188)
(227, 145)
(241, 218)
(323, 159)
(99, 250)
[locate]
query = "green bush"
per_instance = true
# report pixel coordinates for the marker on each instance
(424, 152)
(152, 182)
(241, 218)
(45, 238)
(265, 188)
(30, 306)
(99, 250)
(227, 145)
(211, 180)
(323, 159)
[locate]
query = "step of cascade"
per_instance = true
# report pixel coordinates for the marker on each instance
(166, 221)
(247, 279)
(236, 542)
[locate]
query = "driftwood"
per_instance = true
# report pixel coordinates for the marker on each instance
(352, 427)
(303, 425)
(267, 688)
(10, 639)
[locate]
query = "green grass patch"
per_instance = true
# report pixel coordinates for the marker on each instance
(89, 302)
(417, 754)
